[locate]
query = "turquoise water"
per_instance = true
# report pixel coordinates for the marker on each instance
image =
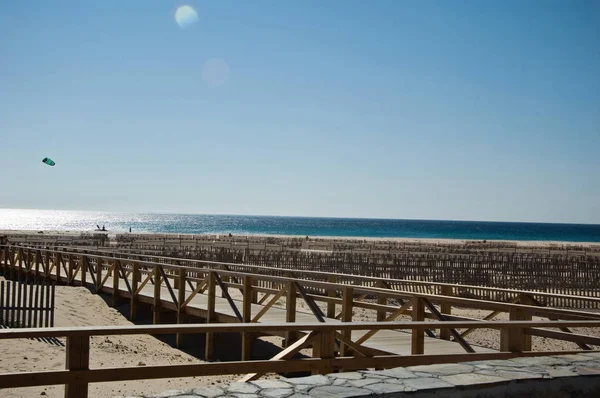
(312, 226)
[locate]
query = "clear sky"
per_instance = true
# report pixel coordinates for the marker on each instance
(469, 110)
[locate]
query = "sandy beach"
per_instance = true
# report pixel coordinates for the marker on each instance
(313, 238)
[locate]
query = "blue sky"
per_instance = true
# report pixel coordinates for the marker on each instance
(470, 110)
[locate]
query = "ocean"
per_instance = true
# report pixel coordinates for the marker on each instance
(312, 226)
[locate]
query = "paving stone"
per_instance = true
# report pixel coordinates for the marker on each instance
(363, 382)
(346, 375)
(245, 388)
(497, 362)
(529, 369)
(339, 382)
(508, 374)
(277, 392)
(443, 369)
(209, 391)
(373, 374)
(302, 387)
(316, 380)
(399, 373)
(426, 384)
(424, 374)
(593, 354)
(469, 379)
(387, 388)
(271, 384)
(587, 371)
(240, 395)
(296, 395)
(338, 391)
(541, 361)
(561, 371)
(574, 357)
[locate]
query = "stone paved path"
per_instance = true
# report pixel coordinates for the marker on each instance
(559, 376)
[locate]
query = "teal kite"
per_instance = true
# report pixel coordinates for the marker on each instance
(48, 161)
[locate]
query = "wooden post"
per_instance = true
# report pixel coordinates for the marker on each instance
(210, 315)
(115, 276)
(446, 309)
(290, 312)
(38, 257)
(331, 293)
(84, 270)
(134, 286)
(47, 263)
(180, 281)
(418, 335)
(70, 268)
(156, 306)
(99, 274)
(247, 338)
(514, 339)
(78, 358)
(382, 300)
(324, 347)
(348, 295)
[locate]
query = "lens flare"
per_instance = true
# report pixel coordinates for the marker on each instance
(185, 16)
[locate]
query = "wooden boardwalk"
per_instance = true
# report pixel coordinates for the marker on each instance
(252, 302)
(160, 297)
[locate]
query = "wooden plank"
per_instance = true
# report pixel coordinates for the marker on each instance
(52, 303)
(565, 336)
(417, 335)
(48, 305)
(20, 306)
(347, 297)
(331, 293)
(31, 304)
(290, 313)
(156, 303)
(446, 309)
(135, 277)
(310, 302)
(228, 296)
(2, 305)
(247, 337)
(78, 359)
(210, 314)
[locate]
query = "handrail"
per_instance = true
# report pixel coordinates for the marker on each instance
(87, 331)
(321, 273)
(472, 303)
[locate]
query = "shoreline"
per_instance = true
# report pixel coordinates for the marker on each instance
(350, 239)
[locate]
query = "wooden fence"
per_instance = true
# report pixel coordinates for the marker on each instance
(321, 337)
(578, 276)
(565, 298)
(27, 304)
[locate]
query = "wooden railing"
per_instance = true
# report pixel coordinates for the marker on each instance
(470, 291)
(321, 337)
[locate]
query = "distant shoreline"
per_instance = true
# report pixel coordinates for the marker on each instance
(423, 241)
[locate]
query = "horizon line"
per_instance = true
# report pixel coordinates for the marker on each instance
(297, 216)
